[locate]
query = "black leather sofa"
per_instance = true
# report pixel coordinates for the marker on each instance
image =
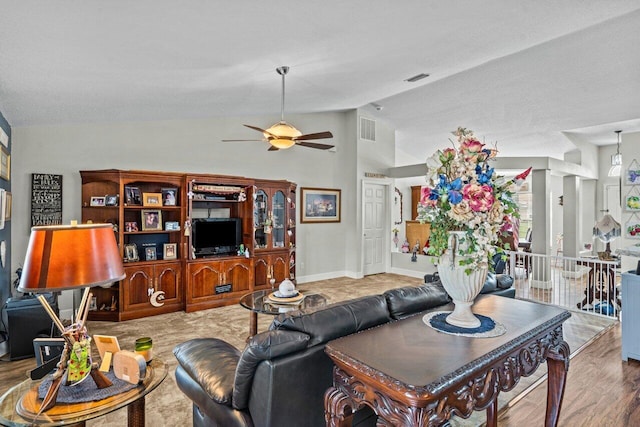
(496, 284)
(280, 377)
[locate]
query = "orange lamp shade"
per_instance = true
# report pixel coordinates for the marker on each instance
(71, 256)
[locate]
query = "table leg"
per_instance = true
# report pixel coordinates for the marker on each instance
(337, 409)
(253, 323)
(492, 413)
(558, 365)
(135, 413)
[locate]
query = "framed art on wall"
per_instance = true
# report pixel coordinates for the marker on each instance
(5, 164)
(319, 205)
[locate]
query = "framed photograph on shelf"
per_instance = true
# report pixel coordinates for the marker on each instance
(150, 253)
(319, 205)
(7, 206)
(5, 164)
(131, 253)
(111, 200)
(172, 225)
(132, 196)
(97, 201)
(170, 251)
(131, 227)
(151, 199)
(169, 196)
(151, 220)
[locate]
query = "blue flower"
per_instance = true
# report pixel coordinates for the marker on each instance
(484, 177)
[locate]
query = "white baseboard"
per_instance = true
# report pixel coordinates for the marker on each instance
(410, 273)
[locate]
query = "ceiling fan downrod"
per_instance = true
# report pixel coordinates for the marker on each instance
(283, 72)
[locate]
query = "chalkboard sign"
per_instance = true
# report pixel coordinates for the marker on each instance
(46, 199)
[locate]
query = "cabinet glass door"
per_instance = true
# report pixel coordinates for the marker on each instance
(260, 218)
(278, 213)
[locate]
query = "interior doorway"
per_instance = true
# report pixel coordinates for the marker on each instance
(613, 207)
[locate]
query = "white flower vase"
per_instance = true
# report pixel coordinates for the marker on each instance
(463, 288)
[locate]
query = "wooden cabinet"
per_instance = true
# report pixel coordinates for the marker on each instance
(139, 204)
(150, 289)
(153, 213)
(274, 226)
(213, 282)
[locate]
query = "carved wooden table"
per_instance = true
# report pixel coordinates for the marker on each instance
(413, 375)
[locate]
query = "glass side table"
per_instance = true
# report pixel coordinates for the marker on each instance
(23, 398)
(259, 302)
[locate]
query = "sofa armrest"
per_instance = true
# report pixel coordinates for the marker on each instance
(211, 363)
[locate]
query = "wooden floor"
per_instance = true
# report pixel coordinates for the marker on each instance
(602, 390)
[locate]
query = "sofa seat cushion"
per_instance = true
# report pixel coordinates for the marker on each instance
(212, 364)
(496, 282)
(408, 300)
(263, 346)
(336, 320)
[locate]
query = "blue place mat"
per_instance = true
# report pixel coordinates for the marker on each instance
(488, 327)
(87, 390)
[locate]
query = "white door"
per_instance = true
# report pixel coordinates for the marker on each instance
(375, 228)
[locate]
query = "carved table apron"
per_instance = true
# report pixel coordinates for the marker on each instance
(413, 375)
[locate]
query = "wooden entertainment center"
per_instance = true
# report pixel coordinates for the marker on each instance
(153, 213)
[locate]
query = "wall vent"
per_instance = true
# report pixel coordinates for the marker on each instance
(367, 129)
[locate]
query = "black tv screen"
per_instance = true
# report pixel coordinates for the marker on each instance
(216, 236)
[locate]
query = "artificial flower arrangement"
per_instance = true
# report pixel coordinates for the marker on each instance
(465, 194)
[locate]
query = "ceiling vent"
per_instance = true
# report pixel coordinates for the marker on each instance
(417, 77)
(367, 129)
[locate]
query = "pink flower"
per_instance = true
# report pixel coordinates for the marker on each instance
(447, 155)
(471, 149)
(425, 192)
(479, 197)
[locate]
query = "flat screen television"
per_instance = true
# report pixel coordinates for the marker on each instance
(216, 236)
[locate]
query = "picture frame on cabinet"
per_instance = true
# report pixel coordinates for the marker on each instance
(170, 251)
(131, 253)
(150, 253)
(7, 206)
(320, 205)
(111, 200)
(172, 225)
(132, 196)
(131, 227)
(151, 220)
(151, 199)
(97, 201)
(169, 196)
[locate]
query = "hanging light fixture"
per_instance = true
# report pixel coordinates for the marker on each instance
(616, 159)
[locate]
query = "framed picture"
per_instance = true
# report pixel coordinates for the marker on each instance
(172, 225)
(169, 196)
(47, 349)
(132, 196)
(5, 164)
(93, 305)
(170, 251)
(131, 227)
(7, 207)
(97, 201)
(319, 205)
(150, 253)
(111, 200)
(131, 253)
(151, 199)
(151, 219)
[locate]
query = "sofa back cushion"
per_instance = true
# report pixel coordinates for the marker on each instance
(403, 302)
(263, 346)
(336, 320)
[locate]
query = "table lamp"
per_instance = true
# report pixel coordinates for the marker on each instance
(607, 230)
(71, 257)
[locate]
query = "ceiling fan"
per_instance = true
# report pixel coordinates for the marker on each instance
(283, 135)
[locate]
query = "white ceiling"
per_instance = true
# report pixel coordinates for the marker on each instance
(517, 72)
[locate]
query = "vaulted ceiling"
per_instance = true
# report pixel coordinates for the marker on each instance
(531, 75)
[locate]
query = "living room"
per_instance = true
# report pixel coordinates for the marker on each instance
(161, 131)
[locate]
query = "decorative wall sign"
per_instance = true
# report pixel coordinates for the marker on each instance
(46, 199)
(632, 200)
(633, 173)
(632, 227)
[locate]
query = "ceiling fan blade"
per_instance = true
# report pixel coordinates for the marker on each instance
(314, 145)
(244, 140)
(319, 135)
(272, 148)
(261, 130)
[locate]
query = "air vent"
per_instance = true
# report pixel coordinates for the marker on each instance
(417, 77)
(367, 129)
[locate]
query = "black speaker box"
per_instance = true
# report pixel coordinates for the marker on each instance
(25, 320)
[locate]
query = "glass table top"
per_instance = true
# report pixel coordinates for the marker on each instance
(260, 302)
(23, 396)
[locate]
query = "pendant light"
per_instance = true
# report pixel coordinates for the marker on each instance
(616, 159)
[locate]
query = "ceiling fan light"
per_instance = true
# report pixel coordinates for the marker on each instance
(282, 143)
(283, 129)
